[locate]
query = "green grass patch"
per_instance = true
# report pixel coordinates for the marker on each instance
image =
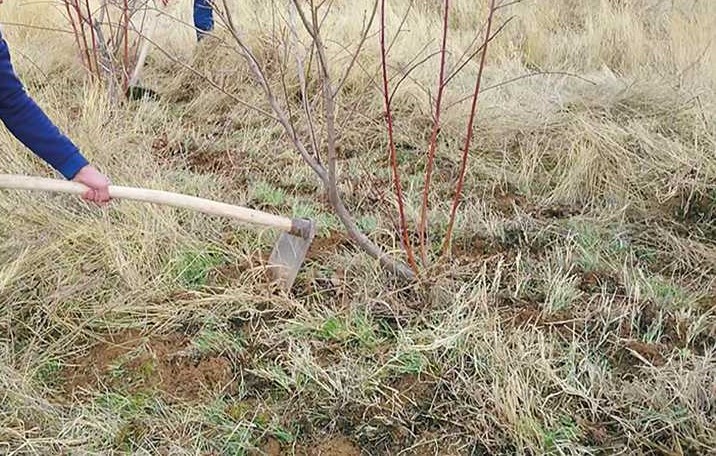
(326, 222)
(48, 373)
(192, 267)
(215, 340)
(356, 328)
(268, 195)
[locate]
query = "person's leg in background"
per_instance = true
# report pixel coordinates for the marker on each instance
(203, 18)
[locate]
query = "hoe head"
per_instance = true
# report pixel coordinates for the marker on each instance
(290, 251)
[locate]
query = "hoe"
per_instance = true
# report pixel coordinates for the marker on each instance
(288, 253)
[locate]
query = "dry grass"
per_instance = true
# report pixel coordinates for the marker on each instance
(577, 316)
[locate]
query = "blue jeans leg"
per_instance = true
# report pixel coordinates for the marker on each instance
(203, 18)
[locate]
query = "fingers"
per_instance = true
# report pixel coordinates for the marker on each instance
(97, 185)
(102, 195)
(98, 196)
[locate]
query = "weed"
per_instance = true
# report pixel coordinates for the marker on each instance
(267, 195)
(209, 341)
(48, 373)
(192, 267)
(410, 362)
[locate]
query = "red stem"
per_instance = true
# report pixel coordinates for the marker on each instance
(74, 26)
(94, 38)
(433, 138)
(468, 138)
(125, 72)
(407, 245)
(81, 34)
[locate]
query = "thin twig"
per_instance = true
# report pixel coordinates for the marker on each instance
(83, 36)
(403, 20)
(327, 92)
(300, 69)
(361, 42)
(90, 22)
(39, 27)
(478, 50)
(233, 97)
(125, 78)
(412, 67)
(505, 5)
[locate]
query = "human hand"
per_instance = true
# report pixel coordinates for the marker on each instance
(98, 184)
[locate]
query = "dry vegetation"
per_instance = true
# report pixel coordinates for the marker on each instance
(577, 314)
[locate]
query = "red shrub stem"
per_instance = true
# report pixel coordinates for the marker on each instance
(407, 245)
(422, 227)
(468, 137)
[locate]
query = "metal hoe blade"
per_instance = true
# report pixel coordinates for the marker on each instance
(289, 252)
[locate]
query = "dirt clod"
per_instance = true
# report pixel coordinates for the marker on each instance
(339, 446)
(271, 448)
(649, 352)
(334, 446)
(323, 247)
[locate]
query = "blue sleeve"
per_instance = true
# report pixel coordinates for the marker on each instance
(31, 126)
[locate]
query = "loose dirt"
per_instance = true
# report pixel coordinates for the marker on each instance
(335, 446)
(650, 352)
(131, 362)
(271, 448)
(324, 247)
(415, 390)
(340, 446)
(214, 162)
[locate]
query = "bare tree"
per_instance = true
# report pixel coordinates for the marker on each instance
(309, 16)
(102, 36)
(326, 172)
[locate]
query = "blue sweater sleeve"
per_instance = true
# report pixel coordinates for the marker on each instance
(31, 126)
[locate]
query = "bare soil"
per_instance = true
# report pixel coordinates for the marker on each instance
(339, 446)
(325, 247)
(134, 362)
(652, 353)
(334, 446)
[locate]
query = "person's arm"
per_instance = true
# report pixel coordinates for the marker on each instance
(31, 126)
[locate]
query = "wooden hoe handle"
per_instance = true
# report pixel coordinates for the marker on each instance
(13, 181)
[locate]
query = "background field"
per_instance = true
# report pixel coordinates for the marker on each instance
(577, 315)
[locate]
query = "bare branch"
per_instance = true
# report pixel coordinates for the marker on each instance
(281, 116)
(214, 84)
(329, 112)
(37, 27)
(478, 50)
(510, 3)
(518, 78)
(302, 80)
(403, 20)
(410, 69)
(361, 42)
